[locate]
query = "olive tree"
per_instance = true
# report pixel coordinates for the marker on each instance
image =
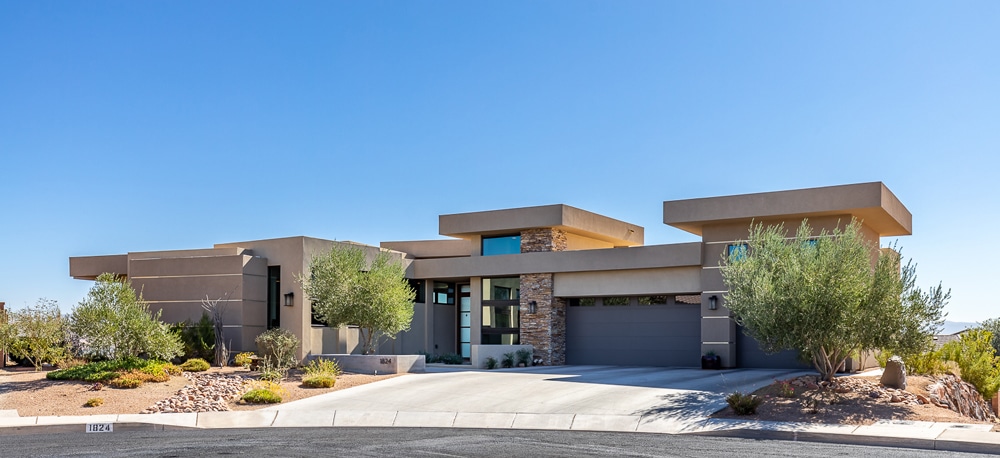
(347, 289)
(35, 333)
(823, 296)
(113, 322)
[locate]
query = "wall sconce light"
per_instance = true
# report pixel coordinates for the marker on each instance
(532, 307)
(289, 296)
(713, 302)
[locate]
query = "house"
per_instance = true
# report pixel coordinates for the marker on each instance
(580, 287)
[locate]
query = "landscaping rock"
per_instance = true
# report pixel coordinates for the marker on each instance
(953, 393)
(894, 375)
(204, 393)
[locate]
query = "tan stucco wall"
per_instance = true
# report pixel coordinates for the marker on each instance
(575, 242)
(675, 280)
(514, 220)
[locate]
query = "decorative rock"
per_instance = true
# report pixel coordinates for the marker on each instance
(951, 392)
(894, 375)
(206, 393)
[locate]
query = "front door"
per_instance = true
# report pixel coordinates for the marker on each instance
(465, 320)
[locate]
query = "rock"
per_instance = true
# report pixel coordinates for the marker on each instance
(951, 392)
(923, 399)
(894, 375)
(895, 398)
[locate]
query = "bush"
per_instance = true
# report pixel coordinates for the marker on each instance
(198, 339)
(785, 388)
(279, 345)
(103, 371)
(116, 323)
(977, 360)
(524, 357)
(271, 372)
(261, 396)
(320, 366)
(195, 365)
(744, 404)
(35, 333)
(319, 381)
(93, 402)
(452, 358)
(126, 381)
(491, 362)
(508, 360)
(244, 359)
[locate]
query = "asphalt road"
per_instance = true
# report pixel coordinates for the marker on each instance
(383, 442)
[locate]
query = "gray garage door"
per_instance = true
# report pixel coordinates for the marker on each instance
(634, 335)
(749, 354)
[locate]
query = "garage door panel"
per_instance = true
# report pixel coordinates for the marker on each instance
(634, 336)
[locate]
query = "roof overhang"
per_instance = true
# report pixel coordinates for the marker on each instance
(569, 219)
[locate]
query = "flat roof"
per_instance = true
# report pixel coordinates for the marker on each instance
(565, 217)
(871, 202)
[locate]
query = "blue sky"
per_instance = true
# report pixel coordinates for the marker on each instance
(139, 126)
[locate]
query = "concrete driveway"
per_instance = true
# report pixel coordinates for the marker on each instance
(668, 394)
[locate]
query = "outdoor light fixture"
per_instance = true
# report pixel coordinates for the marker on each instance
(532, 307)
(713, 302)
(288, 298)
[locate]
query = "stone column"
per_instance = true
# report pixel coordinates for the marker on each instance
(545, 330)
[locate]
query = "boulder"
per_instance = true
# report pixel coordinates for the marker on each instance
(894, 375)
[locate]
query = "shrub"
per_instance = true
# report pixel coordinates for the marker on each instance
(927, 363)
(524, 357)
(279, 345)
(35, 333)
(103, 371)
(508, 360)
(198, 339)
(452, 358)
(744, 404)
(69, 363)
(271, 372)
(244, 359)
(126, 381)
(785, 388)
(319, 381)
(491, 362)
(320, 366)
(260, 396)
(93, 402)
(195, 365)
(976, 360)
(116, 323)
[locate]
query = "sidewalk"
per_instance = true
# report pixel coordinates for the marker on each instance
(919, 435)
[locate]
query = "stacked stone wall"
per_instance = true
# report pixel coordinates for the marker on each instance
(545, 330)
(543, 239)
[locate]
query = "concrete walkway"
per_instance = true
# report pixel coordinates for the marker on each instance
(587, 398)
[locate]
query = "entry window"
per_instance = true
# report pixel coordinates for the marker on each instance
(444, 293)
(501, 323)
(502, 289)
(273, 296)
(508, 244)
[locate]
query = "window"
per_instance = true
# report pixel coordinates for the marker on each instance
(582, 302)
(444, 293)
(273, 296)
(736, 252)
(508, 244)
(501, 311)
(654, 300)
(502, 289)
(420, 287)
(615, 301)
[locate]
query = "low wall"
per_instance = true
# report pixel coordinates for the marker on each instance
(376, 364)
(480, 352)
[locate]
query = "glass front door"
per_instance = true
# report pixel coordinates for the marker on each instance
(465, 320)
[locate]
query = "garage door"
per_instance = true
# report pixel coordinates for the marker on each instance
(634, 335)
(749, 354)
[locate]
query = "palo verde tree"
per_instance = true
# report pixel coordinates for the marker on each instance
(821, 295)
(113, 322)
(346, 288)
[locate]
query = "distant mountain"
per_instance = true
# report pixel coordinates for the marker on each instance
(951, 327)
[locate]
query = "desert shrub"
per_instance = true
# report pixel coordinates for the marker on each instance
(524, 357)
(452, 358)
(126, 381)
(744, 404)
(195, 365)
(320, 366)
(103, 371)
(927, 363)
(71, 362)
(491, 362)
(272, 372)
(198, 339)
(508, 360)
(93, 402)
(244, 359)
(785, 388)
(35, 333)
(261, 397)
(429, 358)
(319, 381)
(977, 360)
(279, 345)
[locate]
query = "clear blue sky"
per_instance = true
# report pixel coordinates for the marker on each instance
(138, 126)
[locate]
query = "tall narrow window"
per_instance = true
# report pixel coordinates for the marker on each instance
(501, 311)
(273, 297)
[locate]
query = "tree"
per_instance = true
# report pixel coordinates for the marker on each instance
(993, 326)
(36, 333)
(113, 322)
(977, 360)
(345, 288)
(822, 296)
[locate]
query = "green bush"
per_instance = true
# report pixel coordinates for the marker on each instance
(271, 372)
(319, 381)
(93, 402)
(508, 360)
(244, 359)
(126, 381)
(103, 371)
(977, 360)
(35, 333)
(279, 345)
(261, 396)
(744, 404)
(491, 362)
(452, 358)
(524, 357)
(195, 365)
(198, 338)
(320, 366)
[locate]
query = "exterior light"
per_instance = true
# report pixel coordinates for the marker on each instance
(289, 297)
(532, 307)
(713, 302)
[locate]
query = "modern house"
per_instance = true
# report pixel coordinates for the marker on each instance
(581, 288)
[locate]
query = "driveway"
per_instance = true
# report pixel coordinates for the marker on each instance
(674, 394)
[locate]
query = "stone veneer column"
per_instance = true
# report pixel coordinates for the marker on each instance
(545, 330)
